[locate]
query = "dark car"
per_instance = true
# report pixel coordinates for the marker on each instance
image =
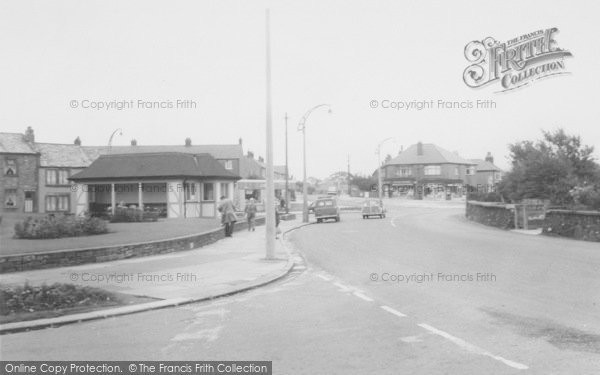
(326, 208)
(373, 207)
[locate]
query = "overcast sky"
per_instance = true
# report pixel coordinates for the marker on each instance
(345, 53)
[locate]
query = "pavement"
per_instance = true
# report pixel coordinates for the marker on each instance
(226, 267)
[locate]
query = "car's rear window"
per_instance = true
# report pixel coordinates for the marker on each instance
(324, 203)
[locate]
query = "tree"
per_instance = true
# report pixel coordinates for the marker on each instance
(364, 183)
(550, 169)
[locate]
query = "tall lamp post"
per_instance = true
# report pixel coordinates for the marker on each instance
(302, 127)
(111, 138)
(379, 187)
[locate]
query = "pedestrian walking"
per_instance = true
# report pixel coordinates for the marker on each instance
(228, 217)
(277, 220)
(250, 211)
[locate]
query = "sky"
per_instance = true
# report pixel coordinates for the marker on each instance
(61, 58)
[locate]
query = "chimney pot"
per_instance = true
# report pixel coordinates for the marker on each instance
(134, 142)
(188, 142)
(77, 141)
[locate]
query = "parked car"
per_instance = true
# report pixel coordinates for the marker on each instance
(326, 208)
(373, 207)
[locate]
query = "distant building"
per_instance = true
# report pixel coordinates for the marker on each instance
(20, 162)
(486, 175)
(427, 169)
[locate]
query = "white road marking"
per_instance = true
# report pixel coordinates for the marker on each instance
(392, 311)
(392, 222)
(472, 348)
(343, 288)
(363, 297)
(326, 278)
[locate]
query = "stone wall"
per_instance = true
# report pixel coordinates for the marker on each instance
(16, 263)
(581, 225)
(492, 214)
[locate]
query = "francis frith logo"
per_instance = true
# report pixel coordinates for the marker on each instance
(515, 63)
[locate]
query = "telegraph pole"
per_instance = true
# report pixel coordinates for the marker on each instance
(349, 189)
(287, 172)
(270, 188)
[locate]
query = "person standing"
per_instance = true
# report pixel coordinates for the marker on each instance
(250, 211)
(228, 217)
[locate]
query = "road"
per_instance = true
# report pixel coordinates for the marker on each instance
(391, 296)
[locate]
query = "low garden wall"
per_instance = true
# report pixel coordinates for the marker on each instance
(493, 214)
(581, 225)
(16, 263)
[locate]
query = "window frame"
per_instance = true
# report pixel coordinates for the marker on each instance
(15, 194)
(205, 185)
(436, 168)
(15, 167)
(57, 199)
(57, 173)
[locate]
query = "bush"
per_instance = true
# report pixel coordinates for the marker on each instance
(28, 299)
(59, 226)
(587, 197)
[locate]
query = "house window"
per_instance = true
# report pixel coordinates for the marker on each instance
(229, 164)
(470, 171)
(456, 171)
(190, 191)
(57, 177)
(10, 167)
(403, 172)
(10, 198)
(208, 192)
(56, 203)
(225, 190)
(433, 170)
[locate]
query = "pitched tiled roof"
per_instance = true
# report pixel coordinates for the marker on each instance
(485, 166)
(432, 154)
(233, 151)
(62, 155)
(13, 143)
(152, 165)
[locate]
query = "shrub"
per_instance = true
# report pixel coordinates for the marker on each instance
(587, 197)
(59, 226)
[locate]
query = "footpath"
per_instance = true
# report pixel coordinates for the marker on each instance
(228, 266)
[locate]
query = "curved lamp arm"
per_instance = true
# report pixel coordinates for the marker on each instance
(302, 122)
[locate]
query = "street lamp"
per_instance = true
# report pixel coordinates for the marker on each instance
(302, 127)
(379, 187)
(111, 138)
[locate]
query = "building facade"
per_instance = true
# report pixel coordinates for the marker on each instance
(429, 170)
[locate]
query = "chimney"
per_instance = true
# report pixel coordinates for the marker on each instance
(251, 154)
(260, 159)
(77, 141)
(188, 142)
(240, 141)
(29, 136)
(489, 157)
(134, 142)
(420, 149)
